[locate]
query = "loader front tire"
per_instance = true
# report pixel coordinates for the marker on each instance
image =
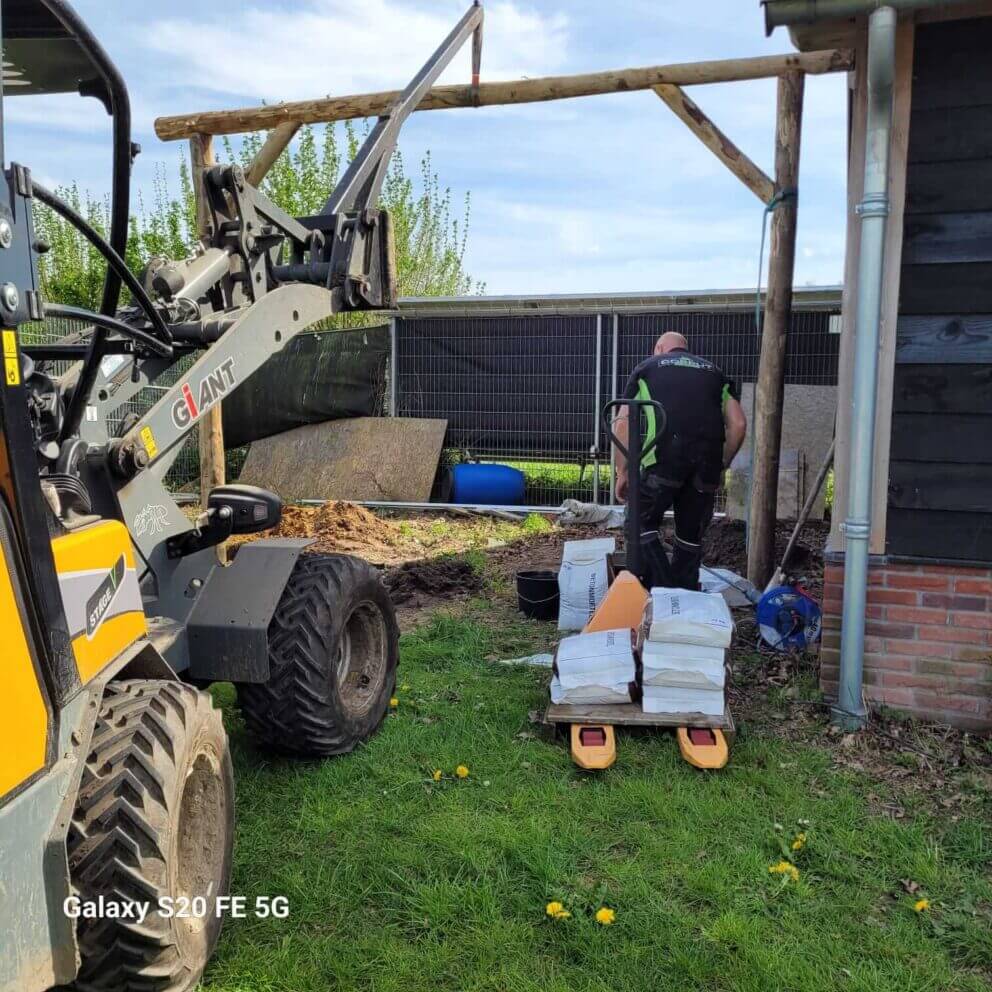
(333, 651)
(153, 825)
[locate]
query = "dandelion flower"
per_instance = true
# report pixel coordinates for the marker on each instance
(605, 916)
(462, 771)
(921, 905)
(393, 702)
(557, 911)
(785, 868)
(438, 775)
(800, 842)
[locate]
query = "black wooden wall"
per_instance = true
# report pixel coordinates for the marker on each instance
(940, 476)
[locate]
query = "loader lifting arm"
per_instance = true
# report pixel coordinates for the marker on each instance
(346, 248)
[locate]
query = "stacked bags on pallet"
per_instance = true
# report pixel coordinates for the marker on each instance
(595, 669)
(684, 639)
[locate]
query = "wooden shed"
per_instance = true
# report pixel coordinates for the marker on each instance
(928, 635)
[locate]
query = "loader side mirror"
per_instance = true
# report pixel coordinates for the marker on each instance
(252, 509)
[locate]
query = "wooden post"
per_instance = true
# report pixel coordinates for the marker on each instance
(211, 425)
(770, 388)
(275, 144)
(689, 112)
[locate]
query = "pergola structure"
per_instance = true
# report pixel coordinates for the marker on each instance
(778, 193)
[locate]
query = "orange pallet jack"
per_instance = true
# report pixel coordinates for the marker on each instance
(703, 742)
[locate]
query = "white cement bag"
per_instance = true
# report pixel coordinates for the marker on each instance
(685, 666)
(688, 617)
(582, 580)
(670, 699)
(594, 668)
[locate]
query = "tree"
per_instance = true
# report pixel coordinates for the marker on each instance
(430, 242)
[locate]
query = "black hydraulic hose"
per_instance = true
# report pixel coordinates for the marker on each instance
(114, 260)
(101, 320)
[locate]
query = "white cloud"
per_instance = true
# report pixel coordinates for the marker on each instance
(331, 47)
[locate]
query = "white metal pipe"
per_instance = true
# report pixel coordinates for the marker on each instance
(874, 208)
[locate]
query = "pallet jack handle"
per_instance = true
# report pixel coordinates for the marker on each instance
(635, 451)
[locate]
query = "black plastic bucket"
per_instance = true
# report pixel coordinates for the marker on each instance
(537, 594)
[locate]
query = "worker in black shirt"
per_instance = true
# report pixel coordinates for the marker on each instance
(705, 428)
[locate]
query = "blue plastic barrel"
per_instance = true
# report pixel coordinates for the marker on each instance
(492, 484)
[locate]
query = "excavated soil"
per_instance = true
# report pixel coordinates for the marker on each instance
(343, 527)
(725, 547)
(418, 584)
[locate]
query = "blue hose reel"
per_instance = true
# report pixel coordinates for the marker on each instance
(788, 619)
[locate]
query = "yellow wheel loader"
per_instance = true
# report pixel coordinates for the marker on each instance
(116, 788)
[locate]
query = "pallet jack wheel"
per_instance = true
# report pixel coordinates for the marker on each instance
(594, 746)
(154, 818)
(333, 651)
(702, 747)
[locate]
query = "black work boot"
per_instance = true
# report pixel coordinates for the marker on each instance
(654, 562)
(686, 559)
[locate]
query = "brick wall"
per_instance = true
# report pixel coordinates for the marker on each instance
(928, 640)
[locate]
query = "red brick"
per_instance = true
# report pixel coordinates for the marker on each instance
(915, 614)
(937, 583)
(979, 621)
(976, 587)
(920, 649)
(832, 604)
(882, 629)
(961, 671)
(895, 597)
(968, 652)
(833, 573)
(890, 662)
(951, 702)
(897, 698)
(952, 635)
(912, 680)
(953, 602)
(953, 570)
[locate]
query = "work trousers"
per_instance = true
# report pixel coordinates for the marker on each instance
(692, 497)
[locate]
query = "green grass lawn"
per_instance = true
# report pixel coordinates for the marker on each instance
(396, 882)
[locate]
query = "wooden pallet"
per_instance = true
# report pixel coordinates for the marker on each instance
(631, 715)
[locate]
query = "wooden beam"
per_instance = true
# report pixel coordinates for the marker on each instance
(275, 144)
(688, 111)
(211, 425)
(770, 387)
(493, 94)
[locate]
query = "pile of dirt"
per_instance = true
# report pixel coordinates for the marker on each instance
(417, 584)
(339, 526)
(725, 546)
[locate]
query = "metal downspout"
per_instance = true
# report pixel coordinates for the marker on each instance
(850, 711)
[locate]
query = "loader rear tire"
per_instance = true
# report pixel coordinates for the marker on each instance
(333, 651)
(154, 820)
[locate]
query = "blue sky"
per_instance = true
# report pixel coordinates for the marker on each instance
(605, 194)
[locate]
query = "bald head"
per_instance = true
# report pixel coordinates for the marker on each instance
(669, 341)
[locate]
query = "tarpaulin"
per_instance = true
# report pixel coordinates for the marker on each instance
(319, 376)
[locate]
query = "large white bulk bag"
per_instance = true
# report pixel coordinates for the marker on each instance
(688, 617)
(583, 580)
(686, 666)
(594, 668)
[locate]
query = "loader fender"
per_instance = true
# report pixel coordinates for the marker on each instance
(228, 628)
